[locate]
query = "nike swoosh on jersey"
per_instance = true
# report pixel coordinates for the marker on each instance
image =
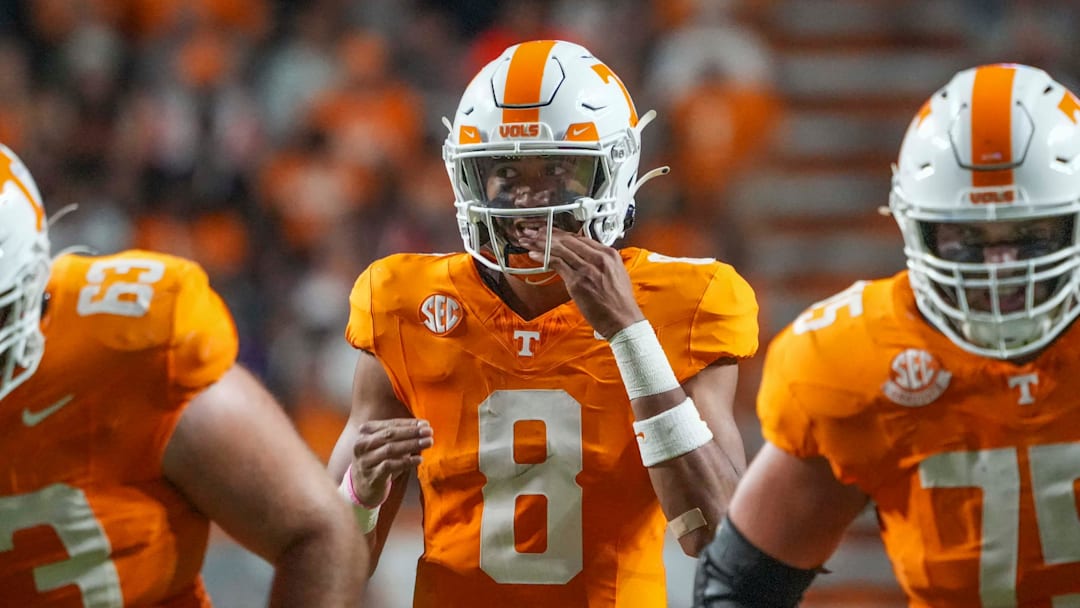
(34, 418)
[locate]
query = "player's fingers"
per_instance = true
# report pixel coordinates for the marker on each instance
(400, 423)
(594, 253)
(367, 454)
(391, 468)
(373, 469)
(403, 448)
(573, 257)
(589, 250)
(378, 432)
(558, 247)
(556, 263)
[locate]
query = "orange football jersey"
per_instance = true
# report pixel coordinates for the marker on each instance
(973, 463)
(86, 518)
(534, 493)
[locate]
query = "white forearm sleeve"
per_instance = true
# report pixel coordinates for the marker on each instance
(644, 367)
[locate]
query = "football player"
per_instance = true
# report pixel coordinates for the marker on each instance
(126, 427)
(563, 401)
(945, 394)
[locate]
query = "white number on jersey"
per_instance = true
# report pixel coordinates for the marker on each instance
(823, 314)
(124, 298)
(66, 510)
(1054, 471)
(667, 259)
(554, 478)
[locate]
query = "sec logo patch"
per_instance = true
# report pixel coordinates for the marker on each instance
(916, 379)
(440, 313)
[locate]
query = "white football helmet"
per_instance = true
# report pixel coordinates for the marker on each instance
(997, 143)
(551, 102)
(24, 272)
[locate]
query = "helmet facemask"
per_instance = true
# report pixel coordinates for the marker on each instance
(505, 195)
(21, 341)
(1004, 308)
(986, 192)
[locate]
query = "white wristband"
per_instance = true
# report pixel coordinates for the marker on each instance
(671, 433)
(644, 367)
(365, 518)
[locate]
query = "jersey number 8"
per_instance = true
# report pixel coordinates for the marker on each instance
(554, 479)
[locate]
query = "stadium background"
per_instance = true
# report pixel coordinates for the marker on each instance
(286, 144)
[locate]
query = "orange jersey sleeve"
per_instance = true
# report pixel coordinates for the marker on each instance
(822, 381)
(369, 325)
(204, 342)
(970, 461)
(701, 309)
(130, 338)
(359, 331)
(534, 493)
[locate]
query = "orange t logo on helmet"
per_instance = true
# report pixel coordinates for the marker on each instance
(605, 73)
(1069, 105)
(10, 170)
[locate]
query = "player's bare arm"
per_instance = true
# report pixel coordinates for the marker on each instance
(236, 457)
(693, 488)
(380, 447)
(770, 549)
(803, 534)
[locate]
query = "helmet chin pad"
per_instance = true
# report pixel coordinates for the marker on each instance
(1008, 334)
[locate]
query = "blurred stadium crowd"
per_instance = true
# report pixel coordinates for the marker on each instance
(285, 144)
